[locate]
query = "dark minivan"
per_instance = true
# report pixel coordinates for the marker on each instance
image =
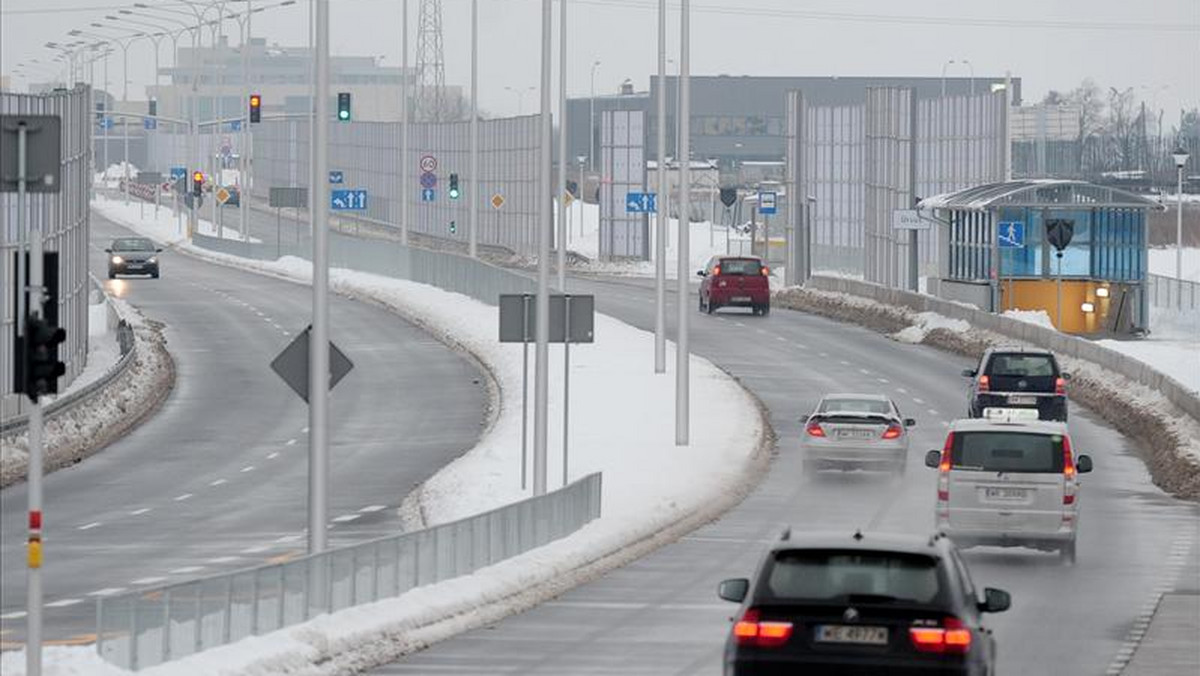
(735, 281)
(832, 603)
(1018, 378)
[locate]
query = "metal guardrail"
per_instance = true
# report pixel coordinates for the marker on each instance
(125, 341)
(158, 624)
(1173, 294)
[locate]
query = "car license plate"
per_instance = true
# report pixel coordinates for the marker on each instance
(855, 434)
(1022, 400)
(1004, 493)
(740, 299)
(845, 633)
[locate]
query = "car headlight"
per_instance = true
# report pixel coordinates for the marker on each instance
(152, 260)
(117, 260)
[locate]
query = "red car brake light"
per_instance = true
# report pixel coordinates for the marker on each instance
(763, 634)
(814, 429)
(944, 469)
(766, 272)
(1060, 385)
(716, 271)
(985, 384)
(951, 638)
(893, 431)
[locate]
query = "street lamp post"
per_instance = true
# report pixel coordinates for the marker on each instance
(660, 222)
(520, 94)
(562, 157)
(592, 118)
(964, 62)
(1181, 157)
(682, 353)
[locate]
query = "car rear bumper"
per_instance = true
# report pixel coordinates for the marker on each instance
(739, 298)
(822, 665)
(1049, 406)
(1034, 540)
(833, 454)
(133, 269)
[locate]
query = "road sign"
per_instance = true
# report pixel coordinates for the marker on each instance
(106, 123)
(1011, 235)
(235, 125)
(337, 177)
(288, 197)
(148, 178)
(1059, 232)
(223, 195)
(149, 123)
(428, 194)
(908, 219)
(43, 158)
(513, 318)
(178, 173)
(766, 203)
(728, 196)
(292, 364)
(348, 200)
(497, 201)
(428, 164)
(428, 180)
(641, 203)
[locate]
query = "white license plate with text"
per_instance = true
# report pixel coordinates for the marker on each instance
(846, 633)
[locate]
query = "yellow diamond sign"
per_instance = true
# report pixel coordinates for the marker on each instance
(497, 201)
(223, 195)
(568, 198)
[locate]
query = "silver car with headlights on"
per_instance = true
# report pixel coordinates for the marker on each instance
(856, 431)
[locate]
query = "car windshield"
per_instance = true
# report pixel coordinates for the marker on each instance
(850, 405)
(740, 266)
(133, 245)
(1021, 365)
(1004, 451)
(820, 575)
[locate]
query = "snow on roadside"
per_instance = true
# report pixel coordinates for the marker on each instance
(924, 322)
(1038, 317)
(166, 228)
(1162, 262)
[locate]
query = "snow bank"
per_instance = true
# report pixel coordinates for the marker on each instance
(1038, 317)
(924, 322)
(165, 228)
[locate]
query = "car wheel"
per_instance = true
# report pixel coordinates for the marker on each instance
(709, 307)
(112, 274)
(1067, 553)
(154, 275)
(766, 310)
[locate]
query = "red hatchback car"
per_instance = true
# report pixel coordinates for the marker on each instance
(735, 281)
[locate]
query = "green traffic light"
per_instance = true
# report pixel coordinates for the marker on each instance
(453, 193)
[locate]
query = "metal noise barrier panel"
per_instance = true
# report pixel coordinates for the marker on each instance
(158, 624)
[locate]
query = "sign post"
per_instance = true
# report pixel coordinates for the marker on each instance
(1059, 232)
(912, 221)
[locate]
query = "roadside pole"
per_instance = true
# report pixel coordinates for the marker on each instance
(561, 240)
(405, 188)
(542, 307)
(473, 181)
(660, 221)
(685, 142)
(244, 155)
(318, 349)
(125, 161)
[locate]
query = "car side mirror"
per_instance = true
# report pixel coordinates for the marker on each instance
(734, 590)
(1066, 376)
(995, 601)
(969, 373)
(701, 273)
(910, 422)
(933, 459)
(1083, 464)
(108, 251)
(158, 251)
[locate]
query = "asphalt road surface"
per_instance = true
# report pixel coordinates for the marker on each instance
(661, 615)
(217, 479)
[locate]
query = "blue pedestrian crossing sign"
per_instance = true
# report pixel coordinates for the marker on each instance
(427, 194)
(235, 125)
(641, 203)
(1011, 234)
(337, 177)
(348, 200)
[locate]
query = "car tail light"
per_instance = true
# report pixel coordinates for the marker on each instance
(950, 638)
(985, 384)
(1060, 385)
(893, 431)
(944, 470)
(716, 271)
(763, 634)
(766, 272)
(1068, 472)
(814, 429)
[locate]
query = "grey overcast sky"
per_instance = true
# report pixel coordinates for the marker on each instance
(1151, 45)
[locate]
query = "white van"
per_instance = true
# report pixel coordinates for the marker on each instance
(1009, 482)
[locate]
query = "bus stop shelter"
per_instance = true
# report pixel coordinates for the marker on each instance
(1074, 249)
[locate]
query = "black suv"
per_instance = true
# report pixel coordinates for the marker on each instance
(1014, 377)
(825, 603)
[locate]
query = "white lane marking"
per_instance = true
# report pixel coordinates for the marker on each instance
(258, 549)
(218, 482)
(148, 580)
(107, 591)
(181, 498)
(289, 538)
(373, 508)
(761, 331)
(823, 354)
(186, 570)
(901, 390)
(865, 372)
(290, 442)
(303, 430)
(63, 603)
(224, 559)
(739, 324)
(345, 518)
(248, 468)
(918, 400)
(89, 526)
(139, 512)
(883, 380)
(933, 411)
(16, 615)
(781, 339)
(272, 455)
(843, 362)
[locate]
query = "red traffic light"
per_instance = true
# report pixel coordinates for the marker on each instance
(198, 177)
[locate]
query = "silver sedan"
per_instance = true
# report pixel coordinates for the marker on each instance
(856, 431)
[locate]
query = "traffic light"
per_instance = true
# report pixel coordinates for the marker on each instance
(453, 228)
(42, 367)
(343, 106)
(255, 108)
(453, 192)
(197, 183)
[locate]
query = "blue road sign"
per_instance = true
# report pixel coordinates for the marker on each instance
(337, 177)
(149, 123)
(235, 125)
(348, 200)
(106, 123)
(766, 203)
(427, 194)
(178, 173)
(428, 180)
(641, 203)
(1011, 234)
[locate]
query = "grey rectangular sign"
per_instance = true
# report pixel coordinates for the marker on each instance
(43, 152)
(518, 327)
(296, 198)
(149, 177)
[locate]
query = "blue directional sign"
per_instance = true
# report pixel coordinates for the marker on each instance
(1011, 234)
(428, 180)
(337, 177)
(428, 194)
(235, 125)
(348, 200)
(149, 123)
(106, 123)
(766, 203)
(178, 173)
(641, 203)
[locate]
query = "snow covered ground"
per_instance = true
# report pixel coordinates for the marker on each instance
(166, 228)
(653, 490)
(1162, 262)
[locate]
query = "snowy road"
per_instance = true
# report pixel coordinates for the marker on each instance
(660, 615)
(216, 479)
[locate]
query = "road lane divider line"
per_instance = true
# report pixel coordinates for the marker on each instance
(218, 482)
(63, 603)
(16, 615)
(186, 570)
(139, 512)
(107, 591)
(272, 455)
(181, 498)
(373, 508)
(221, 560)
(247, 468)
(345, 518)
(89, 526)
(292, 442)
(147, 580)
(289, 538)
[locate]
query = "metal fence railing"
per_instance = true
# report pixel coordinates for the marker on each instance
(158, 624)
(1173, 294)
